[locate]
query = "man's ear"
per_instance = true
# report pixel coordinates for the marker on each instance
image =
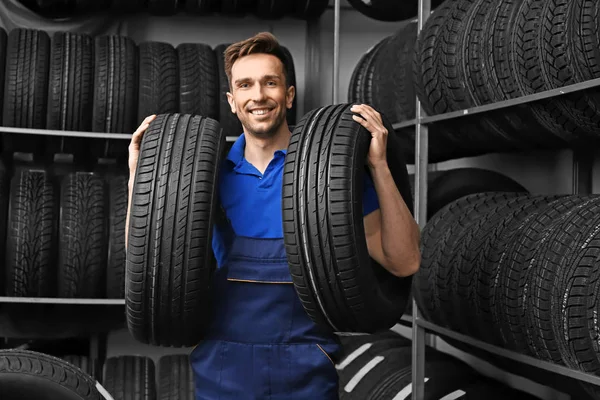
(231, 102)
(291, 93)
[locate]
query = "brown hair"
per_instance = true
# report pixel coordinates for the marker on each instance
(261, 43)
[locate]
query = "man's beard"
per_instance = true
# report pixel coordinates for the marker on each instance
(257, 130)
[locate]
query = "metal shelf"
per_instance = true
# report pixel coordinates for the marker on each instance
(534, 362)
(51, 300)
(81, 134)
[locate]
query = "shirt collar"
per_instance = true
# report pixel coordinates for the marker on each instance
(236, 153)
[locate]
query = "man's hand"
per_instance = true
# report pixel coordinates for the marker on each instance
(134, 145)
(371, 120)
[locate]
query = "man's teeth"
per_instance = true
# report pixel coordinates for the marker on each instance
(259, 112)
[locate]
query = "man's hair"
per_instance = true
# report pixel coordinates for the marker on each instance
(261, 43)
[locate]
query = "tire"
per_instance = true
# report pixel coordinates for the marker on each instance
(272, 9)
(31, 375)
(525, 60)
(357, 80)
(3, 54)
(162, 7)
(31, 240)
(376, 369)
(198, 77)
(26, 88)
(115, 272)
(323, 227)
(523, 246)
(568, 239)
(81, 362)
(169, 264)
(439, 234)
(82, 232)
(130, 378)
(453, 184)
(115, 85)
(309, 9)
(389, 10)
(70, 94)
(176, 379)
(393, 89)
(445, 377)
(158, 80)
(229, 122)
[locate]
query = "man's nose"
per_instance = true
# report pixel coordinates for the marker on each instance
(258, 92)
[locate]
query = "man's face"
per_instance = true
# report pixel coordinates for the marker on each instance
(259, 96)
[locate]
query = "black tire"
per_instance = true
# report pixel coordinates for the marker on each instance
(229, 121)
(568, 239)
(439, 233)
(486, 267)
(173, 203)
(176, 379)
(523, 246)
(389, 10)
(327, 153)
(444, 377)
(272, 9)
(3, 53)
(158, 80)
(70, 94)
(357, 80)
(450, 185)
(392, 86)
(198, 77)
(82, 232)
(373, 370)
(26, 88)
(291, 69)
(353, 342)
(552, 114)
(130, 378)
(115, 272)
(309, 9)
(27, 71)
(31, 375)
(81, 362)
(115, 85)
(31, 240)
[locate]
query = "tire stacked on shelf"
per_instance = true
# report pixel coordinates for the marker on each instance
(175, 378)
(264, 9)
(107, 84)
(130, 377)
(516, 271)
(64, 233)
(476, 52)
(378, 367)
(31, 375)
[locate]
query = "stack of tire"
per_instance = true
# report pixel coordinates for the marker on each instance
(517, 271)
(475, 52)
(263, 9)
(64, 234)
(105, 84)
(378, 367)
(325, 158)
(32, 375)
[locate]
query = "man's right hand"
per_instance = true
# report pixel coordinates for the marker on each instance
(134, 145)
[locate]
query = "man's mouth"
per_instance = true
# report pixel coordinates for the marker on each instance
(260, 111)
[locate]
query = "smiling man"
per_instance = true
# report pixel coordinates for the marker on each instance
(260, 343)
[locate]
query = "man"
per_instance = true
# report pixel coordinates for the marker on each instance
(260, 343)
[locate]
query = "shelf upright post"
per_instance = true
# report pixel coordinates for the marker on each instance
(421, 164)
(336, 52)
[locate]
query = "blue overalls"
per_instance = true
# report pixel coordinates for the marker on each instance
(260, 343)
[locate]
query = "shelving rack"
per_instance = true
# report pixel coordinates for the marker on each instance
(582, 184)
(582, 165)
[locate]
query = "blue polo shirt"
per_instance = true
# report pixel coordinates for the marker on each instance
(252, 201)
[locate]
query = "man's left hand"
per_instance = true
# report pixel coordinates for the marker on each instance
(371, 120)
